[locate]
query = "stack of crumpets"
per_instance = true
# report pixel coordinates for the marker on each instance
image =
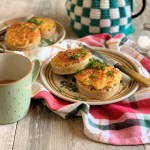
(98, 80)
(94, 79)
(26, 35)
(69, 61)
(22, 36)
(46, 26)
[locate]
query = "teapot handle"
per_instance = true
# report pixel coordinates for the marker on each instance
(141, 11)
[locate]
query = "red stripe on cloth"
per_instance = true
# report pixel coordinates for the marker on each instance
(103, 36)
(99, 112)
(144, 106)
(119, 36)
(146, 63)
(96, 40)
(53, 103)
(111, 111)
(116, 110)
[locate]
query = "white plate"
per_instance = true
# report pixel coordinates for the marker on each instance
(41, 52)
(58, 37)
(54, 82)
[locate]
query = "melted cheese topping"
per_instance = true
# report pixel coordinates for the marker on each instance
(70, 57)
(45, 25)
(99, 79)
(22, 34)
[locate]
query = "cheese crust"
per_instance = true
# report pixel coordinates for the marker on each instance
(46, 26)
(22, 36)
(70, 61)
(99, 83)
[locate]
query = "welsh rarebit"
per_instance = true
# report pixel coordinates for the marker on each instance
(70, 61)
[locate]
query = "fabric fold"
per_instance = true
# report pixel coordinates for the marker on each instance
(123, 123)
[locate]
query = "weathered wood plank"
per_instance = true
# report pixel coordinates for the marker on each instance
(7, 135)
(42, 129)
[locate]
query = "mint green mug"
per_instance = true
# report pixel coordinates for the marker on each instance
(17, 74)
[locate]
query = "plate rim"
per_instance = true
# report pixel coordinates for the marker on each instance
(43, 80)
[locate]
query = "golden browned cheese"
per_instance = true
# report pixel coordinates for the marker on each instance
(45, 25)
(100, 78)
(22, 34)
(70, 57)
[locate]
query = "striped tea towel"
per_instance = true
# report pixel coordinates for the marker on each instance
(123, 123)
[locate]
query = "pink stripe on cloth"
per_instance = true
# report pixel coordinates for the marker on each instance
(146, 63)
(113, 111)
(119, 36)
(126, 137)
(54, 103)
(96, 40)
(116, 110)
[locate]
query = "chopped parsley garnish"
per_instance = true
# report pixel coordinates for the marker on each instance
(76, 56)
(46, 42)
(49, 42)
(79, 98)
(91, 63)
(109, 73)
(32, 28)
(83, 51)
(35, 22)
(93, 75)
(69, 85)
(102, 65)
(79, 70)
(96, 63)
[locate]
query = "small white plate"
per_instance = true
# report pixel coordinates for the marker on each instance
(58, 36)
(41, 52)
(60, 85)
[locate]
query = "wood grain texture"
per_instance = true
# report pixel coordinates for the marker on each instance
(7, 135)
(42, 129)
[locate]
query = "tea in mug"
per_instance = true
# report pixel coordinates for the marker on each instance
(6, 81)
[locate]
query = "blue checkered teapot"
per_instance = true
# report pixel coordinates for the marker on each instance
(102, 16)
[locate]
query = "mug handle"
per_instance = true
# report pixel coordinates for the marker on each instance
(36, 68)
(141, 11)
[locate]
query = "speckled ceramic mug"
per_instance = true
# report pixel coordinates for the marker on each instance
(17, 74)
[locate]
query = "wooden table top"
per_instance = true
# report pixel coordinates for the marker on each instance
(42, 129)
